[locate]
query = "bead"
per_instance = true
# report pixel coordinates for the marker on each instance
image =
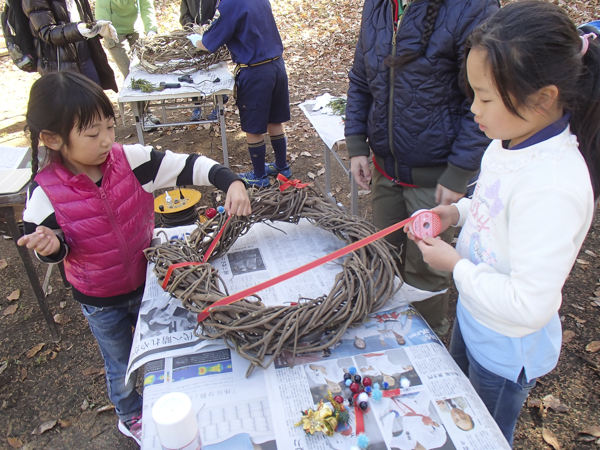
(339, 399)
(368, 389)
(348, 382)
(351, 401)
(376, 386)
(367, 381)
(357, 378)
(210, 213)
(363, 440)
(347, 376)
(363, 405)
(354, 387)
(377, 395)
(404, 382)
(352, 370)
(220, 209)
(386, 385)
(363, 397)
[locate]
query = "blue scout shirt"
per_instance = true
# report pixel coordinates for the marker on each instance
(248, 29)
(538, 352)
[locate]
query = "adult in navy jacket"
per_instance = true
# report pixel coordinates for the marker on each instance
(407, 105)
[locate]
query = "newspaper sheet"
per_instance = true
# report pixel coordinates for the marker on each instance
(166, 328)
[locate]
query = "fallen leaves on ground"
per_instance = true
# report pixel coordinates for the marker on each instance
(3, 264)
(3, 366)
(593, 346)
(551, 402)
(23, 374)
(568, 336)
(61, 319)
(550, 438)
(33, 351)
(90, 370)
(85, 405)
(14, 442)
(14, 295)
(64, 423)
(45, 426)
(105, 408)
(10, 310)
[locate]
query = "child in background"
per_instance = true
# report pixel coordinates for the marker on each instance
(92, 206)
(535, 87)
(249, 30)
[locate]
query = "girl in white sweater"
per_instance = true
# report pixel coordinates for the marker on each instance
(534, 84)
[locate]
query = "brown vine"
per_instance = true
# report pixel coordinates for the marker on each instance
(256, 331)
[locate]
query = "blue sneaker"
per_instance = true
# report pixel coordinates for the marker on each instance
(213, 115)
(253, 180)
(196, 114)
(272, 170)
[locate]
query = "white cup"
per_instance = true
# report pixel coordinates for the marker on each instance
(176, 422)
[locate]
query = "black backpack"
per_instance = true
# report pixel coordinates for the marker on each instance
(18, 37)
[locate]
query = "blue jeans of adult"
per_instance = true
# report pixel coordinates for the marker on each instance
(503, 398)
(111, 326)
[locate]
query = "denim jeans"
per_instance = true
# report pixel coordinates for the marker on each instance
(111, 326)
(503, 398)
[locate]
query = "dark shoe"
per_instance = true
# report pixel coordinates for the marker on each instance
(152, 118)
(148, 124)
(214, 115)
(253, 180)
(196, 115)
(272, 170)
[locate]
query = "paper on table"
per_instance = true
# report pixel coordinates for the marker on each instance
(11, 157)
(12, 180)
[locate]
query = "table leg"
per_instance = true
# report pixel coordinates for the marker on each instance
(164, 111)
(122, 112)
(32, 274)
(223, 130)
(135, 106)
(327, 169)
(354, 196)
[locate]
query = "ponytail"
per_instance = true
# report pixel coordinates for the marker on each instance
(433, 10)
(585, 117)
(34, 155)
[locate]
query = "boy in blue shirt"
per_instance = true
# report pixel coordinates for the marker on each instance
(248, 29)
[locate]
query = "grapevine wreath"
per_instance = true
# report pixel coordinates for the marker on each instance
(250, 328)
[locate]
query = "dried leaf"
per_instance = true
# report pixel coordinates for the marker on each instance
(3, 367)
(3, 264)
(591, 253)
(62, 305)
(597, 293)
(362, 193)
(593, 347)
(553, 402)
(176, 139)
(550, 438)
(320, 172)
(44, 426)
(577, 319)
(128, 136)
(305, 154)
(14, 295)
(105, 408)
(61, 319)
(53, 355)
(311, 175)
(85, 405)
(23, 374)
(33, 351)
(14, 442)
(64, 423)
(90, 370)
(593, 431)
(568, 336)
(582, 262)
(10, 310)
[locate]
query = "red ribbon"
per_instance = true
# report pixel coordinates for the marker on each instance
(287, 183)
(305, 268)
(205, 257)
(358, 412)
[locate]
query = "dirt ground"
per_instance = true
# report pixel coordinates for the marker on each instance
(62, 385)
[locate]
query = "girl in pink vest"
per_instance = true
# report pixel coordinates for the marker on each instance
(91, 206)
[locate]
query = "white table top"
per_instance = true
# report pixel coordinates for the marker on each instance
(329, 127)
(204, 84)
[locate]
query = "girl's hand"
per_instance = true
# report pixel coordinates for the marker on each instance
(43, 241)
(237, 201)
(438, 254)
(448, 215)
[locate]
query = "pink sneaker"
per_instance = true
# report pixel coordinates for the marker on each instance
(132, 428)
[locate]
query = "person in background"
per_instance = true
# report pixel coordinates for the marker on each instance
(407, 105)
(91, 206)
(249, 30)
(124, 14)
(535, 88)
(67, 38)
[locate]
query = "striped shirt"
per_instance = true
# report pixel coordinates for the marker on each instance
(154, 170)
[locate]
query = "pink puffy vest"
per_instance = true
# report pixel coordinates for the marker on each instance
(106, 228)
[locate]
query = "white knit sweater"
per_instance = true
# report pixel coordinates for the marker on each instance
(522, 232)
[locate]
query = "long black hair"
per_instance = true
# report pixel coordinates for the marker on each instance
(60, 101)
(532, 44)
(408, 55)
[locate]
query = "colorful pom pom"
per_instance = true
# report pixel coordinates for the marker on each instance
(221, 209)
(348, 382)
(376, 386)
(377, 395)
(352, 370)
(363, 440)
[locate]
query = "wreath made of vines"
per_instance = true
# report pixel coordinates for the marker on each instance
(255, 331)
(174, 52)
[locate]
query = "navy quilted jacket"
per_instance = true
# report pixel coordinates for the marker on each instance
(428, 136)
